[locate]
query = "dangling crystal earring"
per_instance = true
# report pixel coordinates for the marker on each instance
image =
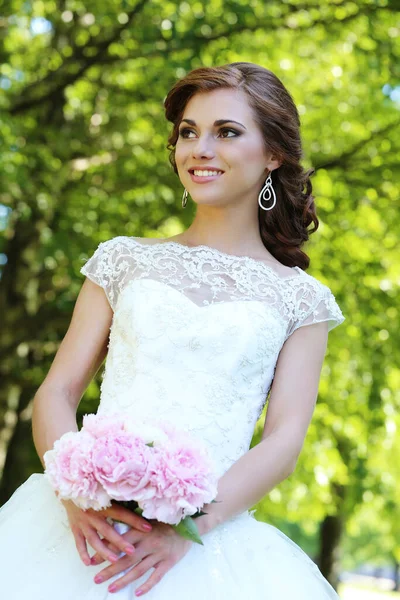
(267, 193)
(184, 198)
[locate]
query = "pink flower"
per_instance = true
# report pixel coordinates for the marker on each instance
(182, 480)
(69, 470)
(103, 424)
(122, 464)
(114, 457)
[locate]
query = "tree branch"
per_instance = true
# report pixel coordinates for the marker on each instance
(341, 161)
(101, 49)
(272, 24)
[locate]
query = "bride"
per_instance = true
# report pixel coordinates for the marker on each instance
(200, 329)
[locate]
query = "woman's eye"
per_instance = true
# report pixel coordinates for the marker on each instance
(231, 130)
(183, 132)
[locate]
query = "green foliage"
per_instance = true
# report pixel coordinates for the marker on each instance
(84, 158)
(187, 528)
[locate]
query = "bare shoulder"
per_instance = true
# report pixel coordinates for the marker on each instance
(147, 241)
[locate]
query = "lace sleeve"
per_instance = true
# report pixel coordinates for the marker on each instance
(315, 303)
(107, 266)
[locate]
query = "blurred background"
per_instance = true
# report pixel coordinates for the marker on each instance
(83, 158)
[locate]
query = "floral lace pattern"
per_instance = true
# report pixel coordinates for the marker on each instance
(196, 335)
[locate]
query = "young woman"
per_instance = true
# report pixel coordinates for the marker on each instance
(198, 329)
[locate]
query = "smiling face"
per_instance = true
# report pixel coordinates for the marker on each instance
(235, 147)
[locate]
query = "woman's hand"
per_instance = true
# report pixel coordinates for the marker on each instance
(162, 548)
(86, 525)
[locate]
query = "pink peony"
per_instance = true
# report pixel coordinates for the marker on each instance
(69, 470)
(103, 424)
(114, 457)
(122, 464)
(182, 480)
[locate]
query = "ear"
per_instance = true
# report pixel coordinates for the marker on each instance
(273, 162)
(272, 165)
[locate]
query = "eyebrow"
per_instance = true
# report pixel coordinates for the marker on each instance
(216, 123)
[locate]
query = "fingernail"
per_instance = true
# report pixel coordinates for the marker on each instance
(113, 558)
(147, 527)
(87, 561)
(93, 560)
(98, 579)
(138, 592)
(129, 549)
(112, 588)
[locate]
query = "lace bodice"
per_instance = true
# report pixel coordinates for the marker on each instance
(196, 334)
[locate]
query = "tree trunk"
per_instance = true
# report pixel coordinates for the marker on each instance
(22, 459)
(328, 560)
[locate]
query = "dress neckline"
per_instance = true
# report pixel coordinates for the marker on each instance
(246, 259)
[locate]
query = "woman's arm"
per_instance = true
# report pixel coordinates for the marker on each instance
(291, 405)
(78, 359)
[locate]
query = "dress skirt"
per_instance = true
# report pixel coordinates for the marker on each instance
(241, 559)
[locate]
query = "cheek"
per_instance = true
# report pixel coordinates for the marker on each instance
(251, 154)
(244, 155)
(180, 152)
(246, 164)
(180, 160)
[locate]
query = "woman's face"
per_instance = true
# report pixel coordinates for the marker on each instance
(236, 148)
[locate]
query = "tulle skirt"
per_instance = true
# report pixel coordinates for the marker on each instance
(241, 559)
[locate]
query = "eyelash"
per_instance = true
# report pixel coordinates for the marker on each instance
(187, 130)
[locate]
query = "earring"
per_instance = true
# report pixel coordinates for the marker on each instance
(267, 193)
(184, 198)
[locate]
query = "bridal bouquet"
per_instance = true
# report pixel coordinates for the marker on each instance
(155, 470)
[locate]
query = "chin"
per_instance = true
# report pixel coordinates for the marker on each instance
(206, 201)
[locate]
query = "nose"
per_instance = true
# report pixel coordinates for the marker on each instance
(203, 148)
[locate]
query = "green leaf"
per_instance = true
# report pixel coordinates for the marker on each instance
(187, 528)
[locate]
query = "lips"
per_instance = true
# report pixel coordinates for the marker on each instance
(205, 178)
(204, 169)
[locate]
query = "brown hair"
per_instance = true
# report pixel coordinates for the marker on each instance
(283, 229)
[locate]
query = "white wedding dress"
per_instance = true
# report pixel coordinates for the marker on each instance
(195, 338)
